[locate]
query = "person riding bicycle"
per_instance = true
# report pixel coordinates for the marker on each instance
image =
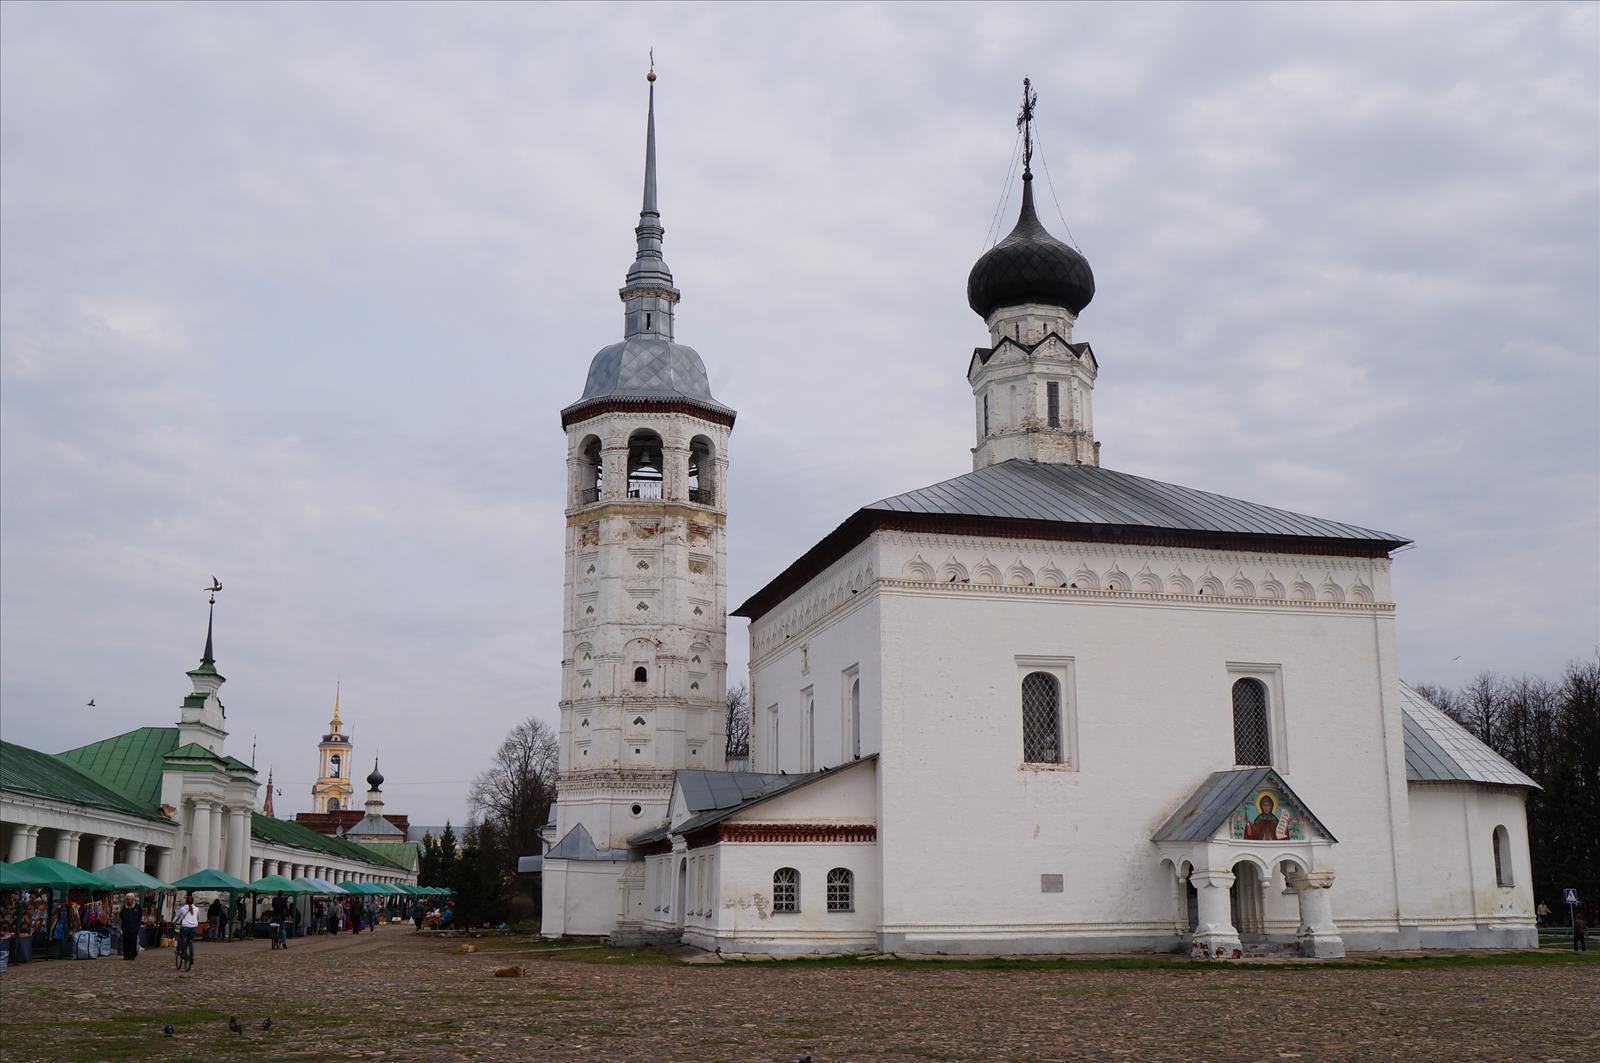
(188, 919)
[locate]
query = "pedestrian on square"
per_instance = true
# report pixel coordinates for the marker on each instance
(280, 915)
(1580, 933)
(188, 920)
(132, 917)
(419, 912)
(1542, 913)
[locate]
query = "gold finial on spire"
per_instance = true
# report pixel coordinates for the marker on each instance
(652, 75)
(336, 686)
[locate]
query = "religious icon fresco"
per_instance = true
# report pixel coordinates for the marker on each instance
(1268, 816)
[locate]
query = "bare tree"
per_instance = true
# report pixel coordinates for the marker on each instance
(513, 797)
(739, 721)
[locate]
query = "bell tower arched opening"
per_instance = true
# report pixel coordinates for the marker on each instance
(645, 465)
(702, 471)
(590, 472)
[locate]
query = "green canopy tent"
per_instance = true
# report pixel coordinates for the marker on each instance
(129, 878)
(44, 873)
(274, 884)
(216, 881)
(211, 879)
(41, 872)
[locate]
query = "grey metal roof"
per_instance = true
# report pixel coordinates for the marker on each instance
(579, 845)
(703, 790)
(776, 784)
(654, 834)
(371, 826)
(1085, 494)
(1209, 807)
(530, 865)
(645, 367)
(1440, 750)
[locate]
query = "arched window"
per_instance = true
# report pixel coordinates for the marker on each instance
(1502, 857)
(841, 890)
(589, 472)
(1052, 402)
(644, 465)
(333, 804)
(786, 890)
(702, 467)
(855, 719)
(1041, 719)
(335, 763)
(641, 674)
(1250, 744)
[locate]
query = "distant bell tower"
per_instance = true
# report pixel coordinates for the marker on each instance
(333, 792)
(644, 662)
(1032, 386)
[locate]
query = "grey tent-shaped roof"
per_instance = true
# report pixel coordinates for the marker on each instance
(1440, 750)
(579, 845)
(1209, 807)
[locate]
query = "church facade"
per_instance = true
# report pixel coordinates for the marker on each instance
(1047, 707)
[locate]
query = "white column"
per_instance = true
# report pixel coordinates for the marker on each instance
(67, 846)
(238, 842)
(164, 864)
(1318, 935)
(255, 868)
(105, 852)
(200, 836)
(136, 851)
(19, 844)
(219, 858)
(32, 842)
(1214, 933)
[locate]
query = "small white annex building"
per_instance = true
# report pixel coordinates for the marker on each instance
(1040, 707)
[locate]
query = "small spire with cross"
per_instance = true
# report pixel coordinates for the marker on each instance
(1025, 123)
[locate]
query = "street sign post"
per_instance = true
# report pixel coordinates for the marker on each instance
(1571, 896)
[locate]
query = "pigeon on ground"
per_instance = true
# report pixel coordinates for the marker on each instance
(266, 1023)
(233, 1024)
(167, 1030)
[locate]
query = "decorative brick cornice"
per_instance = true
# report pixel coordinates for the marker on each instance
(797, 832)
(622, 404)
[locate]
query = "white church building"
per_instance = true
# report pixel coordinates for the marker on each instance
(1040, 707)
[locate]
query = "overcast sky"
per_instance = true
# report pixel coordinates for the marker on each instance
(292, 294)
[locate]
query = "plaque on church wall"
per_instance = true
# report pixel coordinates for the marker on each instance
(1051, 884)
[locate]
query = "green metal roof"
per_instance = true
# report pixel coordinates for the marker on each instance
(28, 771)
(130, 763)
(287, 832)
(194, 751)
(404, 854)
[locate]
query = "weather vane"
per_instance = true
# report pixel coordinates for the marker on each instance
(216, 585)
(1025, 123)
(652, 75)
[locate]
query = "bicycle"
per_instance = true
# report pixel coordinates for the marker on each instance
(185, 950)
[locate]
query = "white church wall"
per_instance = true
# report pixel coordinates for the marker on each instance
(581, 897)
(746, 923)
(1455, 895)
(1151, 727)
(810, 651)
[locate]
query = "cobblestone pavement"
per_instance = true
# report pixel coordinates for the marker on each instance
(397, 996)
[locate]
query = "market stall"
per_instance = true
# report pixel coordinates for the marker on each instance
(52, 908)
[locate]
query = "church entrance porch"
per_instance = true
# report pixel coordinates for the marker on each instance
(1222, 846)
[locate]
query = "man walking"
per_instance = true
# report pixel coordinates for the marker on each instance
(132, 917)
(280, 915)
(1580, 934)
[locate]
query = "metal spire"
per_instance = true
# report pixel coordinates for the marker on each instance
(650, 144)
(207, 658)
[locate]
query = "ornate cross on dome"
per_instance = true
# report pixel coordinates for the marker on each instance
(1025, 123)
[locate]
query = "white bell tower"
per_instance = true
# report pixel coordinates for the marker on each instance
(645, 601)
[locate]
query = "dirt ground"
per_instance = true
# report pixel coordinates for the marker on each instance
(395, 995)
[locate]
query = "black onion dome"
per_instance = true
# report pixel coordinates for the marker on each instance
(375, 779)
(1029, 266)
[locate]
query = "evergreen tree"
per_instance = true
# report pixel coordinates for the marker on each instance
(429, 865)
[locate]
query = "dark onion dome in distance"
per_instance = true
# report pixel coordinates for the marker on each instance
(1029, 266)
(375, 778)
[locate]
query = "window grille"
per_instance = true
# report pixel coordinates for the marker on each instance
(1052, 398)
(786, 890)
(841, 890)
(1250, 745)
(1041, 719)
(986, 414)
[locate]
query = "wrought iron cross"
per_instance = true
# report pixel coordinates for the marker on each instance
(1025, 123)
